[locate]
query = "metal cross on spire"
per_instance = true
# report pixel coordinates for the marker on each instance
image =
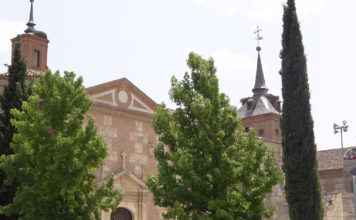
(260, 87)
(259, 37)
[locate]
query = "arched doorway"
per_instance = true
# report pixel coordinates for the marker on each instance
(121, 214)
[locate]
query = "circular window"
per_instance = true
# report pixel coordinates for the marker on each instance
(123, 97)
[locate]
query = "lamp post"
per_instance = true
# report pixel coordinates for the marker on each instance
(341, 129)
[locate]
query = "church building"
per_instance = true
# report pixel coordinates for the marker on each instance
(123, 116)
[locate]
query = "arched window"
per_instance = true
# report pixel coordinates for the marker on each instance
(36, 58)
(121, 214)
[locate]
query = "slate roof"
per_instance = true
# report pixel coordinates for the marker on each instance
(261, 102)
(256, 106)
(31, 25)
(260, 83)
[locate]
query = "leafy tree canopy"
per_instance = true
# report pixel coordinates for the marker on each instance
(209, 168)
(56, 155)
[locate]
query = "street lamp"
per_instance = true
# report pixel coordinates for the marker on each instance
(341, 129)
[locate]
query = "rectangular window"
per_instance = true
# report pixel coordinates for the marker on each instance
(261, 133)
(36, 57)
(16, 46)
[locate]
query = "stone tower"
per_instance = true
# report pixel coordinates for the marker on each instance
(33, 45)
(261, 111)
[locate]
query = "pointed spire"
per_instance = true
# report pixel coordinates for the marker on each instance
(260, 87)
(260, 84)
(31, 23)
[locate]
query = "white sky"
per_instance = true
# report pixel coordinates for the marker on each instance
(148, 42)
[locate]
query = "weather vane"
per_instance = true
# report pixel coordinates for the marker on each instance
(259, 37)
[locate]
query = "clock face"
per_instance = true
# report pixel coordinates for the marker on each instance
(123, 97)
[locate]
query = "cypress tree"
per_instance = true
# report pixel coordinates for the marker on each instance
(299, 149)
(16, 91)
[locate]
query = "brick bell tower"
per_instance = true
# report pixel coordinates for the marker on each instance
(261, 112)
(33, 45)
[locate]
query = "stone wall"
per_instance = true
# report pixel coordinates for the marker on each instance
(130, 140)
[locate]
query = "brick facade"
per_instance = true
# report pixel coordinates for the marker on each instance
(34, 50)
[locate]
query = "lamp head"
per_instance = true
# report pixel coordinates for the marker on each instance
(336, 128)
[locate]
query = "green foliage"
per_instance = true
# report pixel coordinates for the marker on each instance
(16, 91)
(299, 149)
(56, 155)
(209, 169)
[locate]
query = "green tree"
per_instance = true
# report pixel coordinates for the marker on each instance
(209, 169)
(56, 155)
(16, 91)
(299, 149)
